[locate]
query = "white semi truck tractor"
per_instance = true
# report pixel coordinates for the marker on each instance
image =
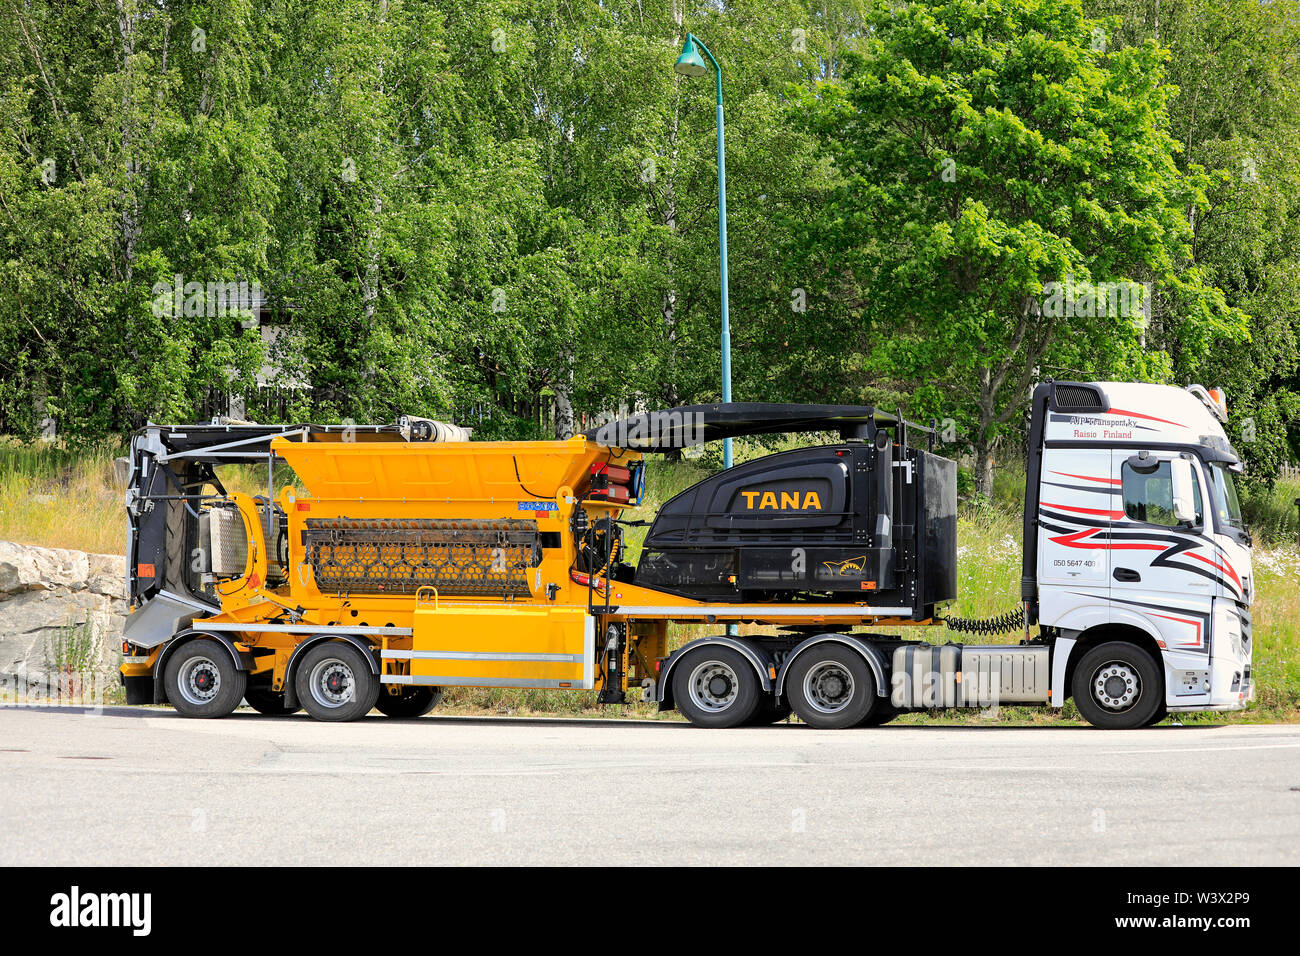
(1136, 561)
(1136, 569)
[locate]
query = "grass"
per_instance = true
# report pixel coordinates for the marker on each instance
(57, 497)
(72, 661)
(1271, 514)
(60, 498)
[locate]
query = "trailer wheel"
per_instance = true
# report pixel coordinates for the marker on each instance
(769, 712)
(1118, 686)
(268, 702)
(831, 687)
(716, 687)
(412, 702)
(335, 682)
(202, 681)
(882, 713)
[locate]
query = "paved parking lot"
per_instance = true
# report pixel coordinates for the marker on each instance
(146, 786)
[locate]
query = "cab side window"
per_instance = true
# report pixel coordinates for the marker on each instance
(1149, 496)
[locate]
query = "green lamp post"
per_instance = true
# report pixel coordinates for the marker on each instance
(690, 63)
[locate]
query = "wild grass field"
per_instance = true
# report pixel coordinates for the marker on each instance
(59, 497)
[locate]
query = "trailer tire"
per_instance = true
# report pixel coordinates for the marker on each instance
(882, 713)
(267, 702)
(769, 712)
(201, 680)
(831, 687)
(716, 686)
(1118, 686)
(412, 702)
(335, 682)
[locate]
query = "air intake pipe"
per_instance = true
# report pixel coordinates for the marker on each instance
(426, 429)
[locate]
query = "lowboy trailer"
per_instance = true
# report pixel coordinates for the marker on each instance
(416, 559)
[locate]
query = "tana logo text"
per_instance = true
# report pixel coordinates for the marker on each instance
(788, 501)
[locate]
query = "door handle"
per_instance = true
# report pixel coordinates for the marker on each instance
(1126, 574)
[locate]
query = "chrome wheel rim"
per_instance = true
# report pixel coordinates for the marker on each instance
(200, 681)
(332, 683)
(828, 687)
(713, 686)
(1116, 686)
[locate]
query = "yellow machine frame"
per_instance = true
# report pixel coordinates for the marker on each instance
(554, 637)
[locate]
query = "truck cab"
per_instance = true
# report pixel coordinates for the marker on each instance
(1134, 536)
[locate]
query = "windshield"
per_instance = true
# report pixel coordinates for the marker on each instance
(1226, 507)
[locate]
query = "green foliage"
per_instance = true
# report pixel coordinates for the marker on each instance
(987, 151)
(505, 211)
(1235, 72)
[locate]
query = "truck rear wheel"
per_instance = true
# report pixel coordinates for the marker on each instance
(335, 682)
(412, 702)
(1118, 686)
(201, 680)
(716, 687)
(830, 687)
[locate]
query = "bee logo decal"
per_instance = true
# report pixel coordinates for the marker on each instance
(850, 568)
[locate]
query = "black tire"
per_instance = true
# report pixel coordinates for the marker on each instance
(412, 702)
(769, 712)
(1118, 686)
(882, 713)
(716, 687)
(1158, 716)
(335, 682)
(831, 687)
(201, 679)
(268, 702)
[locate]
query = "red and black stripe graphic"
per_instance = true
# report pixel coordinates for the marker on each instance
(1149, 418)
(1105, 528)
(1201, 620)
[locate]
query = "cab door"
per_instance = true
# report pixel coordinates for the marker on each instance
(1076, 505)
(1157, 565)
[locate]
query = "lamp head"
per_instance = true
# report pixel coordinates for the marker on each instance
(690, 63)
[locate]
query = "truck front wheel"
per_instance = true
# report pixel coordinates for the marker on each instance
(202, 681)
(1118, 686)
(716, 687)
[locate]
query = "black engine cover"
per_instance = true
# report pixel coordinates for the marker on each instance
(789, 524)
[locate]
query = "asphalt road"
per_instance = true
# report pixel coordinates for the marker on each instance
(134, 786)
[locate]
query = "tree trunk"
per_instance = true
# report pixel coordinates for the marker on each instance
(984, 437)
(669, 304)
(984, 466)
(564, 401)
(126, 22)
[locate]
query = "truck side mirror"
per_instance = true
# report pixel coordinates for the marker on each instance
(1143, 463)
(1183, 480)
